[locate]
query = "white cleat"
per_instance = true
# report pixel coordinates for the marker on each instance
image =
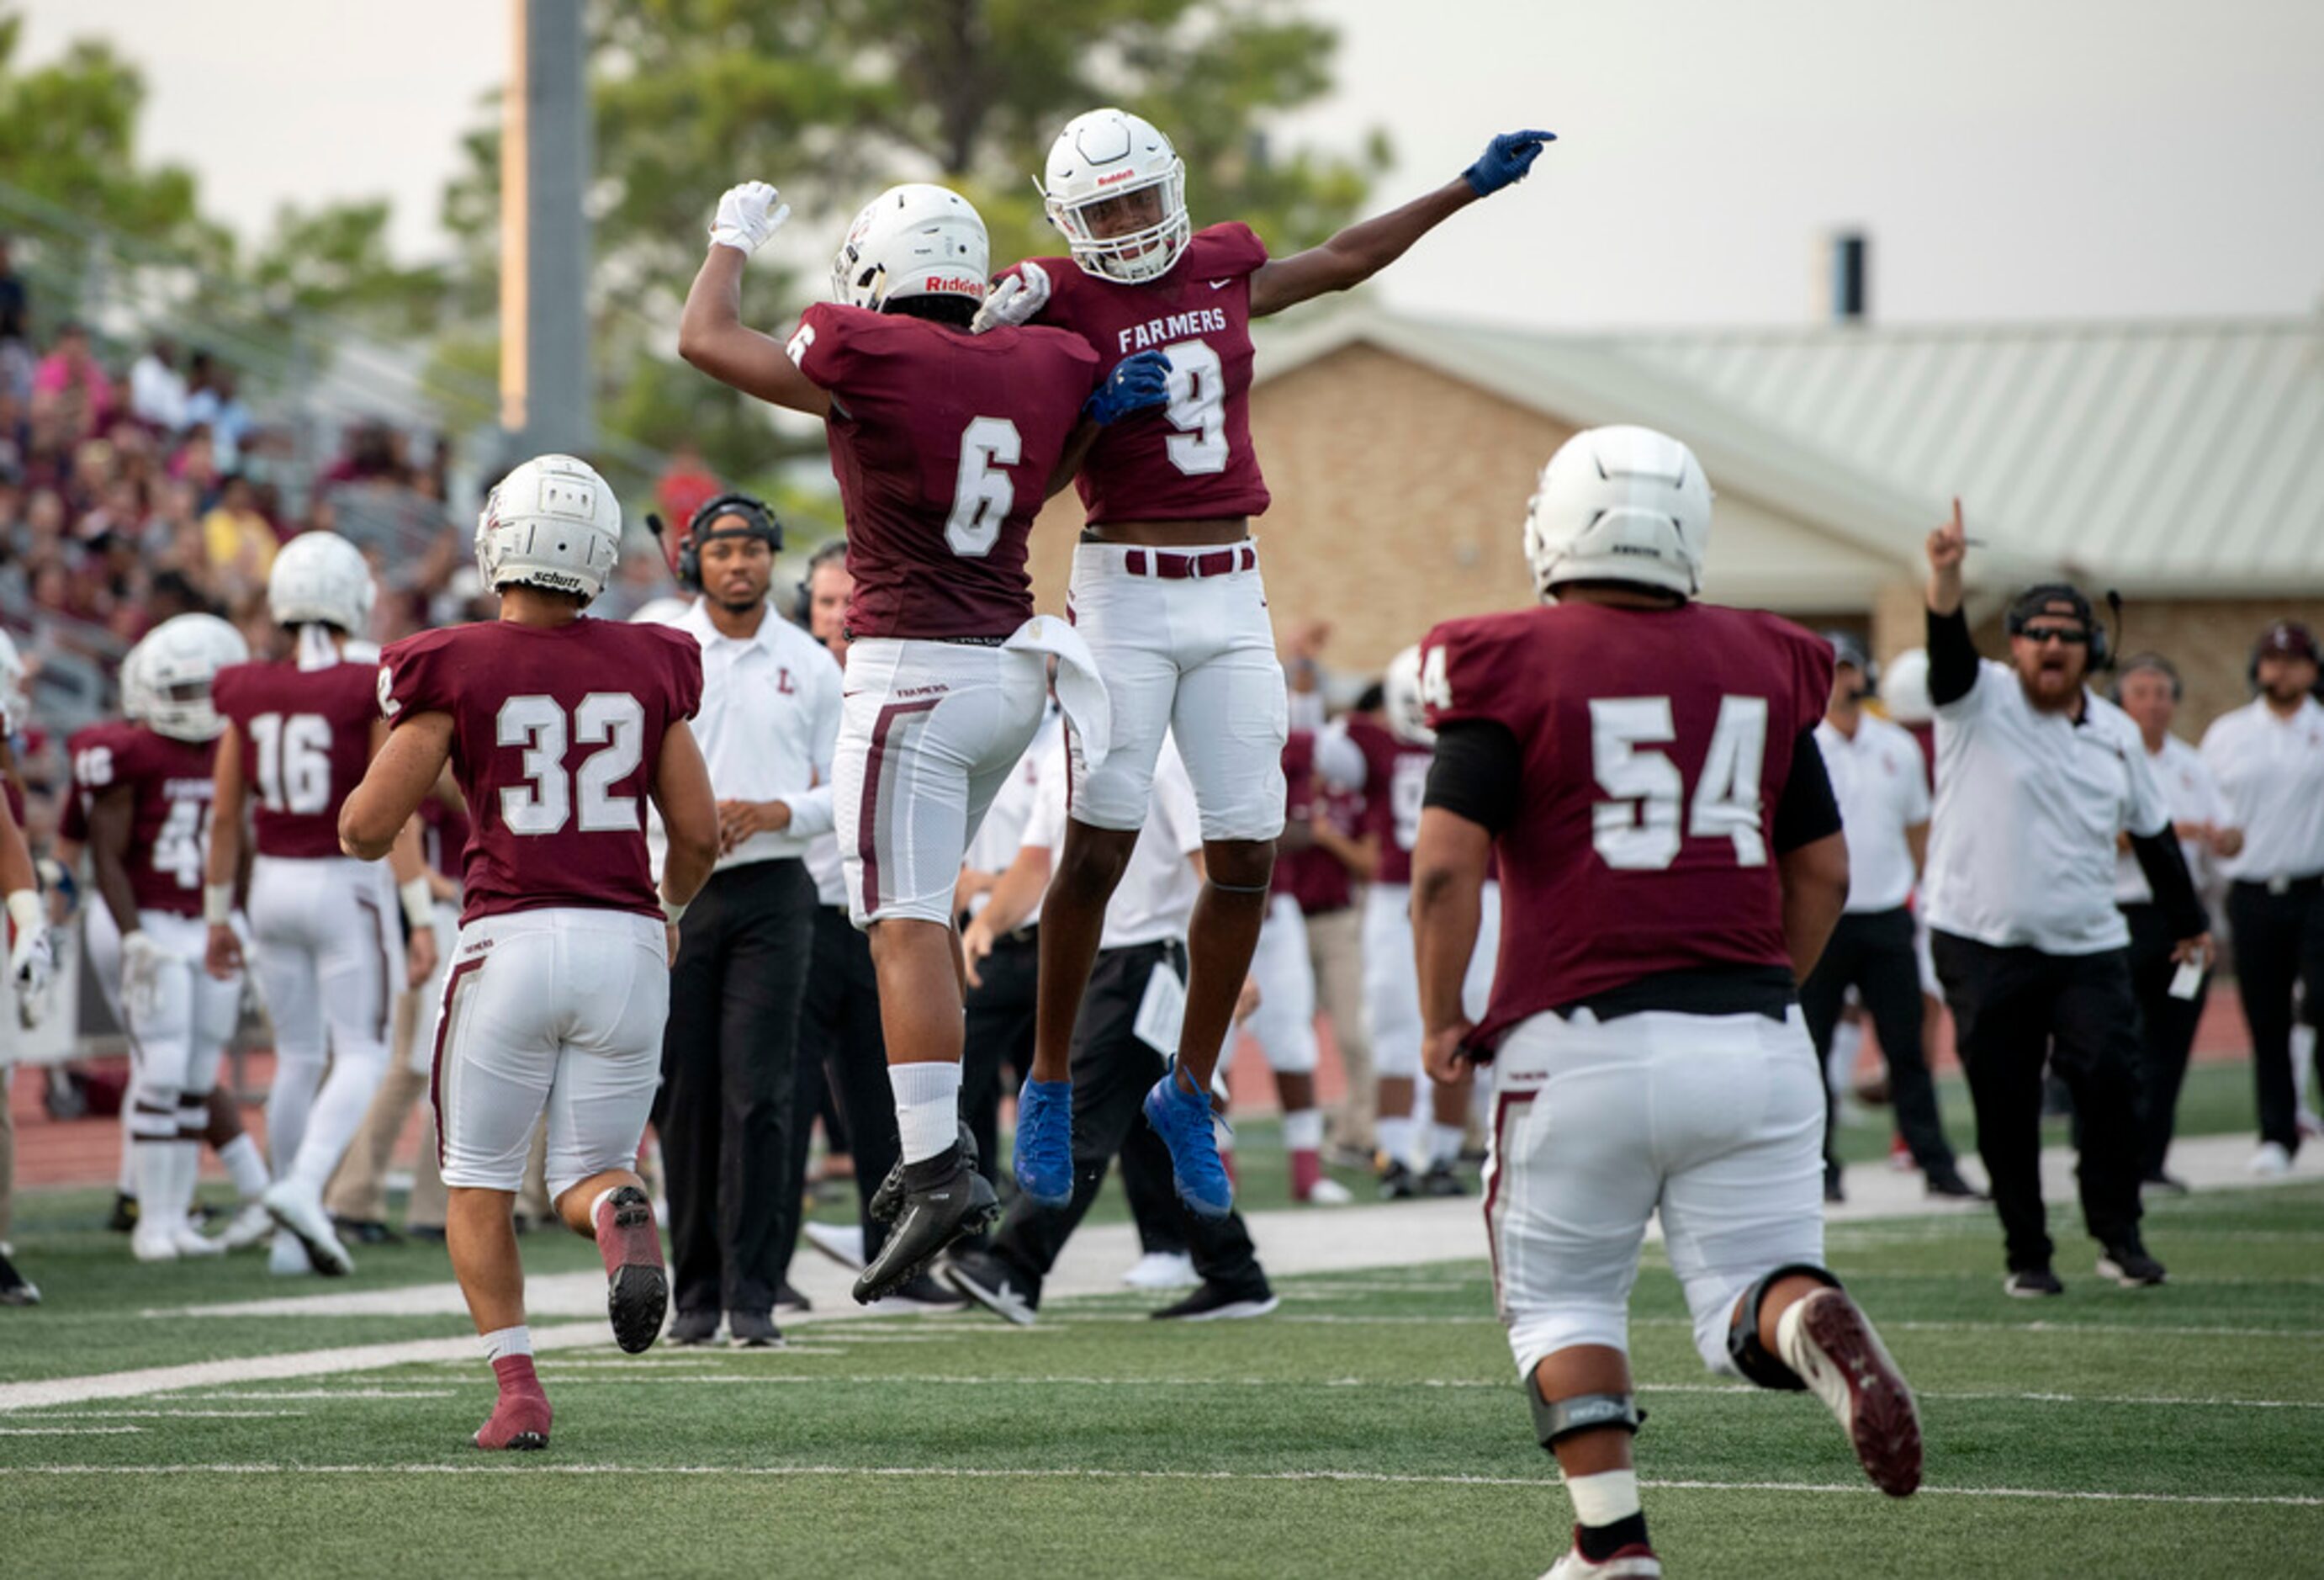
(1162, 1270)
(1634, 1562)
(153, 1243)
(300, 1211)
(2272, 1161)
(843, 1243)
(1832, 1346)
(286, 1258)
(1329, 1193)
(253, 1225)
(192, 1243)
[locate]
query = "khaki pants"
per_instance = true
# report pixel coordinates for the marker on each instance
(1335, 948)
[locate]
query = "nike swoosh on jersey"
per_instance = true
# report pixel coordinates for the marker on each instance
(1220, 284)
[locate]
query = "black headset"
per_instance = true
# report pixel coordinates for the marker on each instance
(685, 557)
(2147, 661)
(2036, 600)
(803, 604)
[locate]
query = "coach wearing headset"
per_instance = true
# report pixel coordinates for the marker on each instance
(2268, 757)
(2035, 779)
(769, 719)
(2168, 1010)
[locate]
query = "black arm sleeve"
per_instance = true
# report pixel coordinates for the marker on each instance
(1808, 811)
(1953, 657)
(1478, 772)
(2165, 866)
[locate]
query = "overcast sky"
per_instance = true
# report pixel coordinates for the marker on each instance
(2012, 158)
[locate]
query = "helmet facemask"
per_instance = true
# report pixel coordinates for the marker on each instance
(1134, 257)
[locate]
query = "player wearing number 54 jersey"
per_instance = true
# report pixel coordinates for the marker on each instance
(1644, 768)
(328, 949)
(944, 444)
(558, 729)
(1166, 587)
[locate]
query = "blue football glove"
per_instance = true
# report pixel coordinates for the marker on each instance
(1507, 159)
(1136, 384)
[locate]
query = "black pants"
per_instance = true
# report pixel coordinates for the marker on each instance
(2279, 940)
(840, 1038)
(1872, 952)
(998, 1038)
(2166, 1030)
(1113, 1071)
(724, 1112)
(2011, 1007)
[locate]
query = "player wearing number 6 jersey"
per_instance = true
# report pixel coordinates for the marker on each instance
(328, 947)
(1645, 767)
(1166, 585)
(558, 729)
(944, 444)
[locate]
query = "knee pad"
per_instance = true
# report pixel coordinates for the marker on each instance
(1553, 1421)
(1752, 1358)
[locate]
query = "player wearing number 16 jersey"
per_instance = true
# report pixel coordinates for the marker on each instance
(558, 729)
(944, 444)
(1644, 768)
(328, 948)
(1166, 586)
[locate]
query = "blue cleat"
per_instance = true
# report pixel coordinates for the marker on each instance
(1183, 1120)
(1043, 1164)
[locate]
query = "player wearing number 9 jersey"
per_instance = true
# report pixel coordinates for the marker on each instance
(327, 947)
(1670, 859)
(944, 444)
(558, 729)
(1166, 585)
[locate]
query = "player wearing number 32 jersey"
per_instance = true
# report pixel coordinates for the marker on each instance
(1644, 768)
(558, 729)
(944, 444)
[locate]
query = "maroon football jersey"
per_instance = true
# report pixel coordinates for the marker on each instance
(1395, 779)
(943, 442)
(1192, 461)
(305, 738)
(1312, 876)
(87, 750)
(1657, 745)
(170, 828)
(556, 731)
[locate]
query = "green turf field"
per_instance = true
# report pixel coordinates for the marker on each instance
(1371, 1426)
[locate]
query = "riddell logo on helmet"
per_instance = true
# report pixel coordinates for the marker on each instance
(1120, 175)
(962, 285)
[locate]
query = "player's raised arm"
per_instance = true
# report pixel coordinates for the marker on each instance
(1364, 249)
(401, 775)
(711, 334)
(1953, 653)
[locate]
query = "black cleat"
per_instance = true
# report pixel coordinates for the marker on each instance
(124, 1213)
(789, 1300)
(637, 1287)
(16, 1289)
(693, 1327)
(752, 1330)
(944, 1199)
(2129, 1265)
(1399, 1183)
(889, 1199)
(1951, 1187)
(1441, 1180)
(987, 1280)
(2032, 1283)
(1211, 1303)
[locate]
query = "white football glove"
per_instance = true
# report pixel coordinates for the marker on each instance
(747, 216)
(34, 958)
(1015, 300)
(142, 962)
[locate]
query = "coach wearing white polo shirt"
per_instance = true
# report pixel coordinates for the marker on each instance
(1882, 787)
(2035, 778)
(2268, 757)
(769, 722)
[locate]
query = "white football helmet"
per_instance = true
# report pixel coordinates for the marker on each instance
(175, 666)
(15, 707)
(1104, 155)
(1905, 687)
(136, 702)
(1407, 718)
(552, 523)
(912, 240)
(1624, 505)
(320, 578)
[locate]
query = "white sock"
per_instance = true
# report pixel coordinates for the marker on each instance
(288, 1101)
(1604, 1498)
(508, 1341)
(337, 1114)
(1443, 1142)
(1303, 1131)
(246, 1166)
(1399, 1138)
(126, 1182)
(927, 1106)
(1787, 1334)
(597, 1203)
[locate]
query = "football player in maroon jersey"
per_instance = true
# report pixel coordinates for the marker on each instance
(557, 729)
(329, 950)
(1169, 505)
(944, 444)
(1645, 767)
(149, 815)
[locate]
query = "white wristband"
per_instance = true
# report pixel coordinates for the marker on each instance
(25, 910)
(419, 904)
(672, 911)
(217, 904)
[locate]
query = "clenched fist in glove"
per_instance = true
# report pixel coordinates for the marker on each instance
(1507, 159)
(34, 956)
(1015, 302)
(143, 961)
(1136, 384)
(747, 216)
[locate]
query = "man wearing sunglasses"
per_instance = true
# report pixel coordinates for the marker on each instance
(2036, 776)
